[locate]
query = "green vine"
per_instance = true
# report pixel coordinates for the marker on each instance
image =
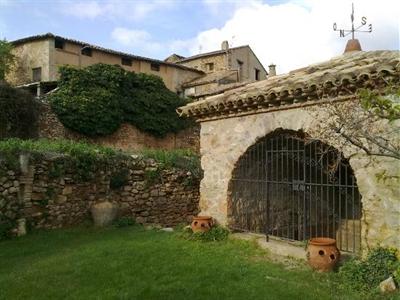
(95, 101)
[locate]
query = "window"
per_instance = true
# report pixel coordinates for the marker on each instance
(257, 74)
(240, 69)
(155, 67)
(86, 51)
(59, 43)
(126, 61)
(36, 74)
(210, 66)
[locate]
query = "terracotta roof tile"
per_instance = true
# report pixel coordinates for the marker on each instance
(333, 79)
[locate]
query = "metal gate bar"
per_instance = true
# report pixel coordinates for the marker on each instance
(285, 187)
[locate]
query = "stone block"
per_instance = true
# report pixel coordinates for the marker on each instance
(61, 199)
(387, 285)
(67, 190)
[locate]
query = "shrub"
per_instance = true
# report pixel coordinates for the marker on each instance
(216, 233)
(18, 113)
(95, 101)
(368, 273)
(124, 222)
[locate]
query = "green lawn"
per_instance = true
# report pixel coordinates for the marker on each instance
(132, 263)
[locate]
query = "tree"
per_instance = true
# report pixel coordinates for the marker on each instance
(7, 58)
(371, 123)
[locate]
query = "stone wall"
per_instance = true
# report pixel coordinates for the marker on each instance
(127, 137)
(224, 141)
(48, 197)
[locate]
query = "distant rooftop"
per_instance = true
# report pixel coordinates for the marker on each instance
(212, 53)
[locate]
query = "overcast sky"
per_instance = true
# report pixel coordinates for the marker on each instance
(290, 34)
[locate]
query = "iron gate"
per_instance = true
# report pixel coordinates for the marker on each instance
(287, 187)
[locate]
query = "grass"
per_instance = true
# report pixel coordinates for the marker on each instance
(132, 263)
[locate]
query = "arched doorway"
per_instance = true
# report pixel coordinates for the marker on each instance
(295, 188)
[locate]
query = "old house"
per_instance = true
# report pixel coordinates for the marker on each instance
(39, 56)
(224, 69)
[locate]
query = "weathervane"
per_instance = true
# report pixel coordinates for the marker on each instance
(363, 22)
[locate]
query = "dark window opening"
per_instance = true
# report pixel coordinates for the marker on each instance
(86, 51)
(240, 69)
(59, 44)
(155, 67)
(257, 74)
(126, 61)
(210, 66)
(36, 74)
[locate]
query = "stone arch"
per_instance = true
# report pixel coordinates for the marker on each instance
(290, 186)
(224, 141)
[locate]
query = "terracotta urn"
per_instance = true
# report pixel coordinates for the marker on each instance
(322, 254)
(201, 223)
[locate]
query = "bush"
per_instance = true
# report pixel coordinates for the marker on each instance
(216, 233)
(95, 101)
(124, 222)
(18, 113)
(368, 273)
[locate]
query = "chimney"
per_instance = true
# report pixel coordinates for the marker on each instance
(352, 45)
(272, 70)
(225, 45)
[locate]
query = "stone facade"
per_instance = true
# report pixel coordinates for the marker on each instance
(48, 199)
(224, 141)
(127, 137)
(41, 52)
(223, 68)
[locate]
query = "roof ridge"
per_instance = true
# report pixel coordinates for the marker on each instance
(211, 53)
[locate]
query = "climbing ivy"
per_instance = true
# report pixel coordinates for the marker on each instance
(95, 101)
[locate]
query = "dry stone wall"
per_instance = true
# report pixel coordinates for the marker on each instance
(126, 138)
(49, 194)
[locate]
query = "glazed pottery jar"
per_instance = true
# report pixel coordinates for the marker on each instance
(322, 254)
(201, 223)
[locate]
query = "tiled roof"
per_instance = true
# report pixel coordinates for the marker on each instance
(212, 53)
(51, 35)
(336, 79)
(211, 77)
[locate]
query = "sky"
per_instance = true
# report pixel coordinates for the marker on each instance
(291, 34)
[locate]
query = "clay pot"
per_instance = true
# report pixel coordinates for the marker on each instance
(201, 223)
(322, 254)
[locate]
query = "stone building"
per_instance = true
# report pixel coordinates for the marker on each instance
(267, 170)
(38, 59)
(39, 56)
(224, 69)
